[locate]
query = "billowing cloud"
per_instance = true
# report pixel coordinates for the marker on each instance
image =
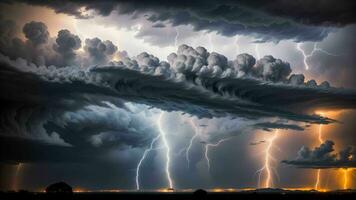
(323, 157)
(66, 44)
(272, 21)
(99, 51)
(36, 32)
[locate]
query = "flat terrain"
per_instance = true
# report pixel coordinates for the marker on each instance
(255, 194)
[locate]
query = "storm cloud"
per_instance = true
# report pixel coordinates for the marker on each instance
(193, 81)
(267, 21)
(324, 157)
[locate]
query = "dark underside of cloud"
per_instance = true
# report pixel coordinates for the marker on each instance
(322, 157)
(267, 21)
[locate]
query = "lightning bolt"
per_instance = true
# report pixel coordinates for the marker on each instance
(237, 45)
(191, 142)
(307, 56)
(267, 163)
(17, 176)
(166, 145)
(142, 159)
(317, 182)
(176, 37)
(206, 154)
(257, 50)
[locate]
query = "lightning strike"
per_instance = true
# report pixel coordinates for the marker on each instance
(206, 154)
(237, 45)
(267, 163)
(257, 50)
(307, 56)
(142, 159)
(196, 133)
(317, 182)
(176, 37)
(17, 176)
(166, 145)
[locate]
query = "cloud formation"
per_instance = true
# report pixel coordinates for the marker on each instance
(323, 157)
(272, 21)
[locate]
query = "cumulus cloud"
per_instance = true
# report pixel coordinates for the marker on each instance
(99, 51)
(272, 21)
(41, 49)
(66, 44)
(324, 157)
(36, 32)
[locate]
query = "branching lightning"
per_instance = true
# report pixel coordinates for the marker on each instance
(267, 163)
(142, 159)
(166, 145)
(207, 150)
(307, 56)
(196, 133)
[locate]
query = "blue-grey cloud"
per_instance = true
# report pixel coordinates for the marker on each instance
(323, 157)
(272, 21)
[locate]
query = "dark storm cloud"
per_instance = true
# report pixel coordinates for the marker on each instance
(267, 21)
(193, 81)
(36, 32)
(268, 126)
(323, 157)
(99, 51)
(66, 44)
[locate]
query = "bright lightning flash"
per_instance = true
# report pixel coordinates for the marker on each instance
(267, 163)
(142, 159)
(307, 56)
(207, 150)
(166, 145)
(196, 133)
(317, 182)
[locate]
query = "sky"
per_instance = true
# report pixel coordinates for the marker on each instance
(177, 94)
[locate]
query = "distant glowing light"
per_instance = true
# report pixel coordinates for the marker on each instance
(345, 179)
(267, 163)
(166, 145)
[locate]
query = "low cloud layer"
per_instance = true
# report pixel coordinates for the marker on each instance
(273, 21)
(324, 157)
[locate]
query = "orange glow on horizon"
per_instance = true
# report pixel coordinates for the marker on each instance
(345, 178)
